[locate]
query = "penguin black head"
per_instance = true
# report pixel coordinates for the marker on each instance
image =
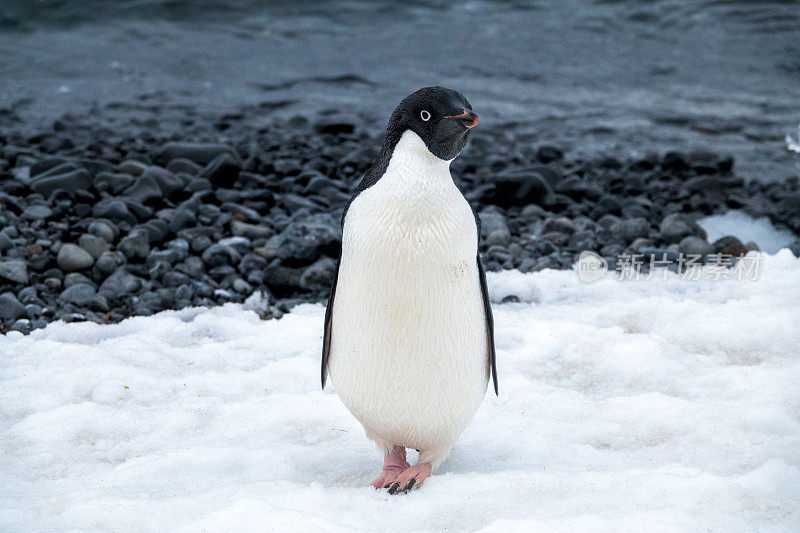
(441, 117)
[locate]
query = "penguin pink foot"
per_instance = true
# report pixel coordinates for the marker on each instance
(393, 464)
(410, 477)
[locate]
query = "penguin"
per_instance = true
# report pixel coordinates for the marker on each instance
(408, 339)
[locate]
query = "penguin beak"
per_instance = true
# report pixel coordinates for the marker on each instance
(468, 118)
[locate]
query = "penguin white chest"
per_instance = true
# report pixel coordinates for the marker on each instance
(408, 340)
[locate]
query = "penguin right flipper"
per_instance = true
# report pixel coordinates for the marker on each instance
(487, 308)
(326, 337)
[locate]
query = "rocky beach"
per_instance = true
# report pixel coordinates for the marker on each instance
(99, 225)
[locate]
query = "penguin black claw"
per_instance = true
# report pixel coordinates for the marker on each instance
(409, 485)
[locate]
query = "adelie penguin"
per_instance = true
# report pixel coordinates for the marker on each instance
(408, 340)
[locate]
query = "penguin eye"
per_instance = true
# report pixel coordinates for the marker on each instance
(424, 115)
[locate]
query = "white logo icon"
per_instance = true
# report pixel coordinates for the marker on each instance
(591, 267)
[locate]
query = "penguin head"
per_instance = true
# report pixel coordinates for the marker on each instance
(441, 117)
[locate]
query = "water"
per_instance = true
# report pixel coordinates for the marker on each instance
(614, 77)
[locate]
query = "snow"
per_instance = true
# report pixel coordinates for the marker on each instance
(793, 145)
(746, 228)
(655, 405)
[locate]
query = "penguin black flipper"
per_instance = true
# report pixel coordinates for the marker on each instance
(487, 308)
(326, 336)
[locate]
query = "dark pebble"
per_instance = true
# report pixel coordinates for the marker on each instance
(14, 270)
(135, 245)
(200, 153)
(73, 257)
(70, 181)
(10, 307)
(79, 294)
(729, 245)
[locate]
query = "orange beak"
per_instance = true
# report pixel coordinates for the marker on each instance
(468, 118)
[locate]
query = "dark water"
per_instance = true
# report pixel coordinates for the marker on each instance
(618, 77)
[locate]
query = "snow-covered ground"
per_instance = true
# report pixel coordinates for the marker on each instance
(656, 405)
(746, 228)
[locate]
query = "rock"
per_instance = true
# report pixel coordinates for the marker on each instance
(674, 161)
(23, 325)
(154, 183)
(692, 245)
(547, 261)
(5, 242)
(11, 308)
(630, 229)
(491, 221)
(676, 226)
(14, 270)
(100, 303)
(135, 245)
(104, 230)
(558, 225)
(252, 231)
(37, 212)
(220, 254)
(156, 230)
(640, 244)
(281, 279)
(704, 184)
(238, 243)
(223, 171)
(121, 282)
(179, 248)
(145, 188)
(318, 278)
(729, 245)
(74, 278)
(578, 188)
(183, 217)
(93, 244)
(518, 187)
(306, 239)
(27, 295)
(186, 166)
(75, 180)
(547, 154)
(609, 203)
(242, 287)
(201, 243)
(38, 257)
(79, 294)
(132, 167)
(334, 126)
(200, 153)
(794, 247)
(168, 257)
(108, 262)
(112, 182)
(293, 203)
(499, 237)
(191, 266)
(114, 209)
(73, 257)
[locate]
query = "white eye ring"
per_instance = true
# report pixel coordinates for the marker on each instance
(424, 115)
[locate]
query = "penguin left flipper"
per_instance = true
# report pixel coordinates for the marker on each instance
(487, 307)
(326, 337)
